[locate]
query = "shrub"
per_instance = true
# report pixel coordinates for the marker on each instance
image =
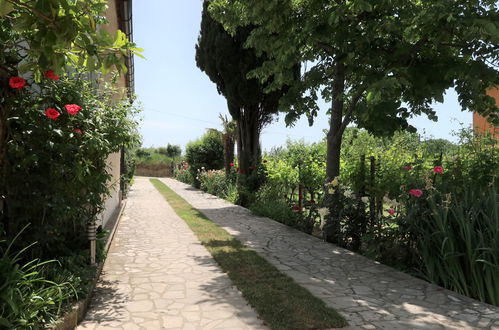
(206, 152)
(27, 299)
(58, 167)
(270, 203)
(213, 182)
(456, 237)
(183, 174)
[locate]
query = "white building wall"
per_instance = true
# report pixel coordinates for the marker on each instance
(114, 200)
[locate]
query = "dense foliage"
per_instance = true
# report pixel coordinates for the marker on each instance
(59, 165)
(56, 132)
(61, 133)
(227, 63)
(378, 63)
(425, 206)
(205, 153)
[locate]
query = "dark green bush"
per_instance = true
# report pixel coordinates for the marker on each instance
(58, 171)
(206, 153)
(269, 202)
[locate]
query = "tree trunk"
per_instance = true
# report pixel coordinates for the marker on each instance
(3, 138)
(249, 151)
(228, 139)
(248, 130)
(331, 229)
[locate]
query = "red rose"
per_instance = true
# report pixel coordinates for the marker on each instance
(311, 201)
(77, 130)
(407, 167)
(391, 211)
(51, 75)
(52, 113)
(296, 208)
(72, 108)
(231, 164)
(438, 169)
(17, 82)
(416, 192)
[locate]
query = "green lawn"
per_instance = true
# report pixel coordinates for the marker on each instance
(279, 301)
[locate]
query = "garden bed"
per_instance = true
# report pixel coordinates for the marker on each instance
(77, 311)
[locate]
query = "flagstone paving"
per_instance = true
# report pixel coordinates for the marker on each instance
(158, 276)
(370, 295)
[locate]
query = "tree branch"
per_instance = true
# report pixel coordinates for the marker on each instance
(327, 48)
(34, 10)
(351, 107)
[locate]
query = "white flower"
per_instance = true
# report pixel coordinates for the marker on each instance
(330, 191)
(197, 178)
(347, 193)
(323, 211)
(202, 167)
(199, 170)
(365, 199)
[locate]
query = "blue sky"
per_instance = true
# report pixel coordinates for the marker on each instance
(180, 102)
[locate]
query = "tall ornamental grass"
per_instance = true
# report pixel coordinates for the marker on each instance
(458, 243)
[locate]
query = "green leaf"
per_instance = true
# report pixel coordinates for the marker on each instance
(5, 7)
(439, 98)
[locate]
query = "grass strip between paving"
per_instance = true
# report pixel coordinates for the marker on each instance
(280, 302)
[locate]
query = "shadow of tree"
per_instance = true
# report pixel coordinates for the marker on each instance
(106, 304)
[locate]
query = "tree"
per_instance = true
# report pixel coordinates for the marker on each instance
(226, 62)
(367, 58)
(173, 151)
(228, 139)
(42, 35)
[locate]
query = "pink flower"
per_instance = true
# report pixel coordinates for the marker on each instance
(52, 113)
(391, 211)
(407, 167)
(416, 192)
(51, 75)
(438, 169)
(72, 108)
(77, 130)
(17, 82)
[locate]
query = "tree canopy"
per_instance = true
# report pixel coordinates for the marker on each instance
(227, 63)
(368, 58)
(390, 52)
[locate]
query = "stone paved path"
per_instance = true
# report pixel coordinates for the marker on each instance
(368, 294)
(158, 276)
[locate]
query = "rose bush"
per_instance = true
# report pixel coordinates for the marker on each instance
(56, 161)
